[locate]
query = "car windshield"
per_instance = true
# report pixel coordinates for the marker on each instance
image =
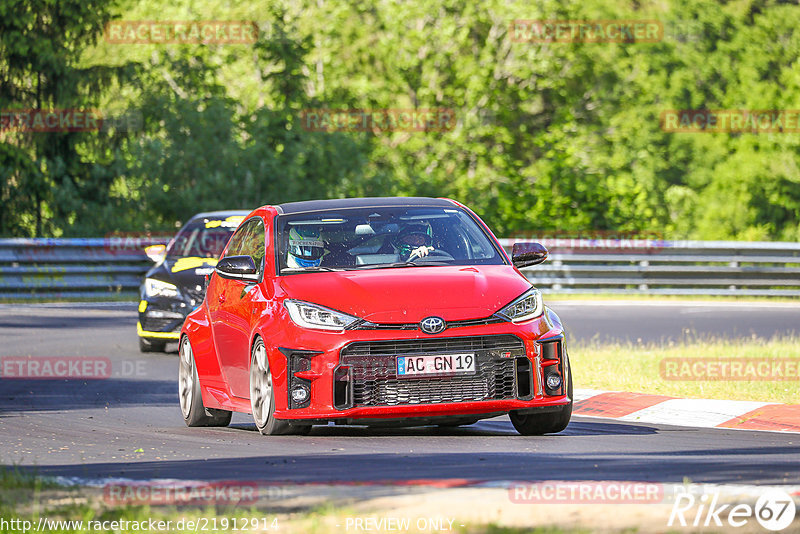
(384, 237)
(203, 237)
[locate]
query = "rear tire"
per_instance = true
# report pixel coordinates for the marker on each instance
(191, 400)
(545, 423)
(262, 397)
(150, 345)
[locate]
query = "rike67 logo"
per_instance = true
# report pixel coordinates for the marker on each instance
(774, 510)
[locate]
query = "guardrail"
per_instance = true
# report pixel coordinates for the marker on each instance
(651, 266)
(110, 267)
(114, 267)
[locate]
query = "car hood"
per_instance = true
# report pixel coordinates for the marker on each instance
(409, 294)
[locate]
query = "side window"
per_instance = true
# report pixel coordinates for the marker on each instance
(235, 247)
(255, 242)
(250, 240)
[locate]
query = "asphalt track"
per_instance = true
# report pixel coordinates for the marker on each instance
(129, 425)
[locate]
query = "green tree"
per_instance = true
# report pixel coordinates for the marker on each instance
(45, 181)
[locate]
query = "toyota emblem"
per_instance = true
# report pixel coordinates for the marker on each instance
(432, 325)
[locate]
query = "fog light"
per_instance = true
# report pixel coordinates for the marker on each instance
(300, 394)
(553, 381)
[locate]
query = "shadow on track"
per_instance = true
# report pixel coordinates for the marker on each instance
(20, 395)
(404, 466)
(488, 428)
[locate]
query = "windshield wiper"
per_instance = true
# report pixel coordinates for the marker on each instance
(401, 264)
(310, 269)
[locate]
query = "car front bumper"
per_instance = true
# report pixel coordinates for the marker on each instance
(161, 319)
(352, 377)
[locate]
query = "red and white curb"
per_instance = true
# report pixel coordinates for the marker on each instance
(667, 490)
(705, 413)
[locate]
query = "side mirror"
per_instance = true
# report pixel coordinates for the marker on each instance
(238, 268)
(527, 254)
(156, 253)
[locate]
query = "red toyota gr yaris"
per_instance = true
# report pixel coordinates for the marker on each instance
(373, 311)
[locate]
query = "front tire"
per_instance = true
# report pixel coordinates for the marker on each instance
(262, 396)
(194, 413)
(545, 423)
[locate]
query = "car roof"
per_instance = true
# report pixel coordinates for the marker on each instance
(367, 202)
(221, 214)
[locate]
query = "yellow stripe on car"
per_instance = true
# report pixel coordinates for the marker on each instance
(142, 306)
(159, 335)
(230, 222)
(183, 264)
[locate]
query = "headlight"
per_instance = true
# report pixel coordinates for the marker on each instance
(526, 307)
(157, 288)
(310, 315)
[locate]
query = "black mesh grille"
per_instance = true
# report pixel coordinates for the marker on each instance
(160, 324)
(374, 371)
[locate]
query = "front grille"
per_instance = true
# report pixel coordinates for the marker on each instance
(161, 324)
(405, 347)
(374, 381)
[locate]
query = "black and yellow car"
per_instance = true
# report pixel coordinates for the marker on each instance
(176, 285)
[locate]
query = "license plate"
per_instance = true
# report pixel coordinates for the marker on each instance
(441, 364)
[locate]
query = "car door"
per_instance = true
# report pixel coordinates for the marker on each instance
(234, 304)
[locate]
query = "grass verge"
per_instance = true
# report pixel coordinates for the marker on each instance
(638, 368)
(34, 504)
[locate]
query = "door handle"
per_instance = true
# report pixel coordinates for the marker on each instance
(221, 297)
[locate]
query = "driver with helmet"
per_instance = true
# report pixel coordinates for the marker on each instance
(306, 247)
(414, 241)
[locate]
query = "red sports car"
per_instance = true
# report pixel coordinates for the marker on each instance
(373, 311)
